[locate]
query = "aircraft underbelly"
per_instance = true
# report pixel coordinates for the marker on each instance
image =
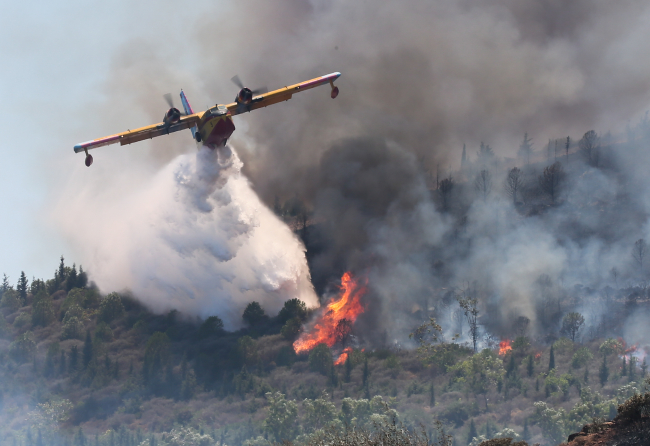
(217, 130)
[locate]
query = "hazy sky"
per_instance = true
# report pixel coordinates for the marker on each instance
(55, 61)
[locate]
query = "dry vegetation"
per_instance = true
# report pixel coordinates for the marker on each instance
(136, 376)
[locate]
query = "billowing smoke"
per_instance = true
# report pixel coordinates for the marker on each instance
(193, 237)
(420, 79)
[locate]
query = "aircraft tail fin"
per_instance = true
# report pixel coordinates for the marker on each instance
(188, 111)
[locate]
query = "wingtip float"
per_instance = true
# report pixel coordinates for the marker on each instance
(213, 126)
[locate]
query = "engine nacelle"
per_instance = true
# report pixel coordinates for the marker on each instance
(172, 116)
(245, 96)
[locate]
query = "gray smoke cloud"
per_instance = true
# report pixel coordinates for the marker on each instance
(420, 79)
(424, 78)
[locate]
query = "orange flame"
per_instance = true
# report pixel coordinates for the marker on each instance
(344, 356)
(538, 356)
(504, 347)
(347, 306)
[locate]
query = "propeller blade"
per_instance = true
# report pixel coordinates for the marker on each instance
(170, 101)
(260, 90)
(235, 80)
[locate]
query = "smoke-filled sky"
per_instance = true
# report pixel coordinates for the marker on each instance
(420, 79)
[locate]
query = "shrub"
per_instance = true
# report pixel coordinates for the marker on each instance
(384, 433)
(393, 365)
(110, 308)
(247, 349)
(11, 300)
(320, 359)
(635, 408)
(414, 389)
(23, 347)
(503, 442)
(521, 344)
(581, 357)
(319, 412)
(563, 345)
(291, 329)
(3, 326)
(22, 320)
(282, 417)
(156, 356)
(72, 328)
(455, 413)
(84, 298)
(185, 436)
(610, 346)
(42, 311)
(103, 332)
(551, 421)
(558, 384)
(286, 356)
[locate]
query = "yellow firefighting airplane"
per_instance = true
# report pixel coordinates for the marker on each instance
(214, 126)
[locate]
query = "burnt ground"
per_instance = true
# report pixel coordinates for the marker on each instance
(615, 433)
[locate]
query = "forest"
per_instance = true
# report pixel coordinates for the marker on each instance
(460, 359)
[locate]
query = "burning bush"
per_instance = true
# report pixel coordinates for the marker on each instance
(334, 325)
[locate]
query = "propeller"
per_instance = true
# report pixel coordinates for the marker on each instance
(237, 81)
(170, 102)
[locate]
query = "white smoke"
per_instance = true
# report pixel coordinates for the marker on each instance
(195, 237)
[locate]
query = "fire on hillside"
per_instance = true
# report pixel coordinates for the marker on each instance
(504, 347)
(335, 322)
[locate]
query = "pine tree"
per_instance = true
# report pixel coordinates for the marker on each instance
(490, 429)
(566, 148)
(74, 358)
(366, 372)
(463, 160)
(432, 396)
(632, 368)
(22, 287)
(82, 279)
(88, 350)
(624, 369)
(348, 369)
(586, 377)
(530, 366)
(526, 433)
(61, 271)
(603, 373)
(644, 368)
(62, 363)
(72, 278)
(107, 363)
(551, 360)
(472, 432)
(334, 378)
(511, 366)
(5, 284)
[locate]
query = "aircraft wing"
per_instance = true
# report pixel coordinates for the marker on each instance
(140, 134)
(281, 94)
